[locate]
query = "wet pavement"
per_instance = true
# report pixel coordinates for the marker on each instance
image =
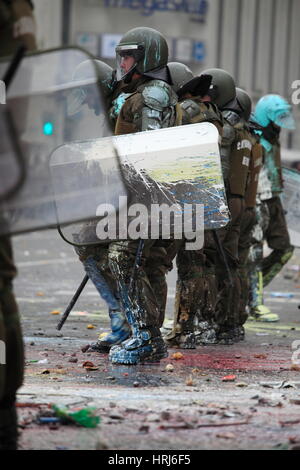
(244, 396)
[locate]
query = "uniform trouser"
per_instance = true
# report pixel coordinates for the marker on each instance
(157, 264)
(106, 284)
(277, 236)
(227, 307)
(11, 357)
(247, 223)
(195, 287)
(141, 301)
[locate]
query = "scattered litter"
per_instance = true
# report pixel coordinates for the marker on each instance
(33, 361)
(286, 295)
(289, 423)
(226, 435)
(73, 359)
(260, 356)
(85, 348)
(90, 327)
(295, 401)
(266, 402)
(45, 371)
(144, 429)
(241, 384)
(228, 414)
(40, 294)
(189, 381)
(295, 367)
(48, 419)
(169, 367)
(165, 415)
(229, 378)
(43, 361)
(136, 384)
(177, 356)
(55, 312)
(31, 405)
(115, 415)
(83, 417)
(88, 364)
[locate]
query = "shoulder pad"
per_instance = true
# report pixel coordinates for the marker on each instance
(228, 132)
(158, 95)
(190, 107)
(230, 116)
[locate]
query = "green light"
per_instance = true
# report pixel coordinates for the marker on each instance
(48, 128)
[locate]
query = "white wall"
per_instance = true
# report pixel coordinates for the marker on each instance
(48, 16)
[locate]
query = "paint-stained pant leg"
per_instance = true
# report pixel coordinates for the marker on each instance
(144, 305)
(227, 307)
(278, 239)
(247, 224)
(157, 265)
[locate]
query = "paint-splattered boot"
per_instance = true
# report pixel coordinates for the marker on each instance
(145, 345)
(180, 339)
(120, 331)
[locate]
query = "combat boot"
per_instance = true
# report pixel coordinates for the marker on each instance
(8, 429)
(262, 313)
(181, 340)
(120, 331)
(206, 333)
(145, 345)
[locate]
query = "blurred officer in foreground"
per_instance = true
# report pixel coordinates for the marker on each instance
(17, 27)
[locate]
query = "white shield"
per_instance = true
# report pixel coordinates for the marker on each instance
(41, 114)
(175, 169)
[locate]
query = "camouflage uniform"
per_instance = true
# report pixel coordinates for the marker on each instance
(16, 28)
(249, 219)
(151, 106)
(235, 158)
(195, 289)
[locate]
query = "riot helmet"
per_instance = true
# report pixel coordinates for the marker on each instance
(244, 102)
(274, 109)
(180, 74)
(144, 49)
(222, 90)
(184, 80)
(85, 75)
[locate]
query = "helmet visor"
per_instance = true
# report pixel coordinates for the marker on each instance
(127, 57)
(285, 120)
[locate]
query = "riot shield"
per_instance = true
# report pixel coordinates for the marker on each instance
(46, 108)
(291, 203)
(167, 172)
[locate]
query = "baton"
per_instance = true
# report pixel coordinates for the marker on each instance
(73, 302)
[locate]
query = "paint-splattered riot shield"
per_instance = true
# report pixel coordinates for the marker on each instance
(175, 185)
(48, 106)
(291, 203)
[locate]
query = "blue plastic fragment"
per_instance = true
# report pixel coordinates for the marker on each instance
(286, 295)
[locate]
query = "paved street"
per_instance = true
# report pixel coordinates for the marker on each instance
(150, 407)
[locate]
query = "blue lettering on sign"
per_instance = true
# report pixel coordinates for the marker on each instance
(199, 52)
(148, 7)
